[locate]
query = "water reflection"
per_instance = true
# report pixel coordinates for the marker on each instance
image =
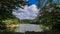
(29, 27)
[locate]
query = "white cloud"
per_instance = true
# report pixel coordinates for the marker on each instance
(28, 12)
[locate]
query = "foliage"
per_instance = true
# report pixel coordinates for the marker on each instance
(6, 7)
(6, 16)
(11, 21)
(50, 16)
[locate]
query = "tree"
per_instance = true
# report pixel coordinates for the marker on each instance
(6, 7)
(49, 16)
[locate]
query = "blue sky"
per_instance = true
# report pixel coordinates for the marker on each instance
(55, 0)
(29, 12)
(30, 2)
(42, 3)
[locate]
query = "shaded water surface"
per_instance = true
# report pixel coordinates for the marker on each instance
(29, 27)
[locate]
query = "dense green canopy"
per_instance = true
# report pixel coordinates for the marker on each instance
(6, 7)
(50, 16)
(6, 16)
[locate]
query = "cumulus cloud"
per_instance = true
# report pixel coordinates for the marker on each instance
(28, 12)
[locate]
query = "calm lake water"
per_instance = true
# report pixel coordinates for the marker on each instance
(29, 27)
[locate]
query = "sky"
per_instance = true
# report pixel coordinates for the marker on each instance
(29, 12)
(42, 3)
(55, 0)
(30, 2)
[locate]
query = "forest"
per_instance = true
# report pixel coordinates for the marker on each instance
(49, 15)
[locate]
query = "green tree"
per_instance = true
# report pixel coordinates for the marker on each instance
(6, 7)
(50, 16)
